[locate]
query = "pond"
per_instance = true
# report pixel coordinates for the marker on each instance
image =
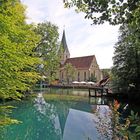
(62, 115)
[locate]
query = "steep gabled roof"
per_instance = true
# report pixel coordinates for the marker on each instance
(63, 42)
(81, 62)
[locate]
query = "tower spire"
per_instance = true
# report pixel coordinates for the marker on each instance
(65, 54)
(63, 41)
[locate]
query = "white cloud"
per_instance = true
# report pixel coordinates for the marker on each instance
(82, 37)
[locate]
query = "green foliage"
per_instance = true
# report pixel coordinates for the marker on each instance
(47, 49)
(106, 72)
(70, 72)
(126, 59)
(17, 59)
(92, 78)
(131, 128)
(99, 11)
(4, 116)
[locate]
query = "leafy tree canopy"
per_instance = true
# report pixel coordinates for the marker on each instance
(127, 58)
(47, 49)
(112, 11)
(70, 72)
(17, 59)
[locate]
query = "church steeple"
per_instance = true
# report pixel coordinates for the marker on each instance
(65, 54)
(64, 43)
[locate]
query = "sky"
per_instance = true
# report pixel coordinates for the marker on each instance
(82, 37)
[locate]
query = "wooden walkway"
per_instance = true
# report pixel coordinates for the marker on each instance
(94, 91)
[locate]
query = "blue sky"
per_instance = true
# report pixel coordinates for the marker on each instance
(82, 38)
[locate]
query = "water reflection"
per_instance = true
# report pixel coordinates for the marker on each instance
(104, 122)
(43, 108)
(72, 91)
(99, 100)
(45, 119)
(79, 124)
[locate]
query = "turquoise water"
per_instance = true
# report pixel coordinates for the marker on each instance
(44, 119)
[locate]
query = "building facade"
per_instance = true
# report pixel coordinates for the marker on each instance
(83, 68)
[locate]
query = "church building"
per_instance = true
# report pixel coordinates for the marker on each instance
(85, 67)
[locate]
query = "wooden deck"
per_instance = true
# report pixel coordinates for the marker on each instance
(94, 91)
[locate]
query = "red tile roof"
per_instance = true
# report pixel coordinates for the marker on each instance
(80, 62)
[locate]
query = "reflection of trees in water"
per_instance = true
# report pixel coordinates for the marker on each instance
(41, 119)
(103, 122)
(47, 112)
(108, 121)
(104, 118)
(46, 119)
(62, 109)
(56, 111)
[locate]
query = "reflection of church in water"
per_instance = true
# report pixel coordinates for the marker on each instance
(69, 122)
(86, 67)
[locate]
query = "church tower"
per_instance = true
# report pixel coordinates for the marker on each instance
(63, 50)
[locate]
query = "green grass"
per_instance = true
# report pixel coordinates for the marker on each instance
(64, 97)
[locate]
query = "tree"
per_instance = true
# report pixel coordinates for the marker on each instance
(47, 49)
(106, 72)
(17, 59)
(70, 72)
(127, 58)
(100, 11)
(92, 78)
